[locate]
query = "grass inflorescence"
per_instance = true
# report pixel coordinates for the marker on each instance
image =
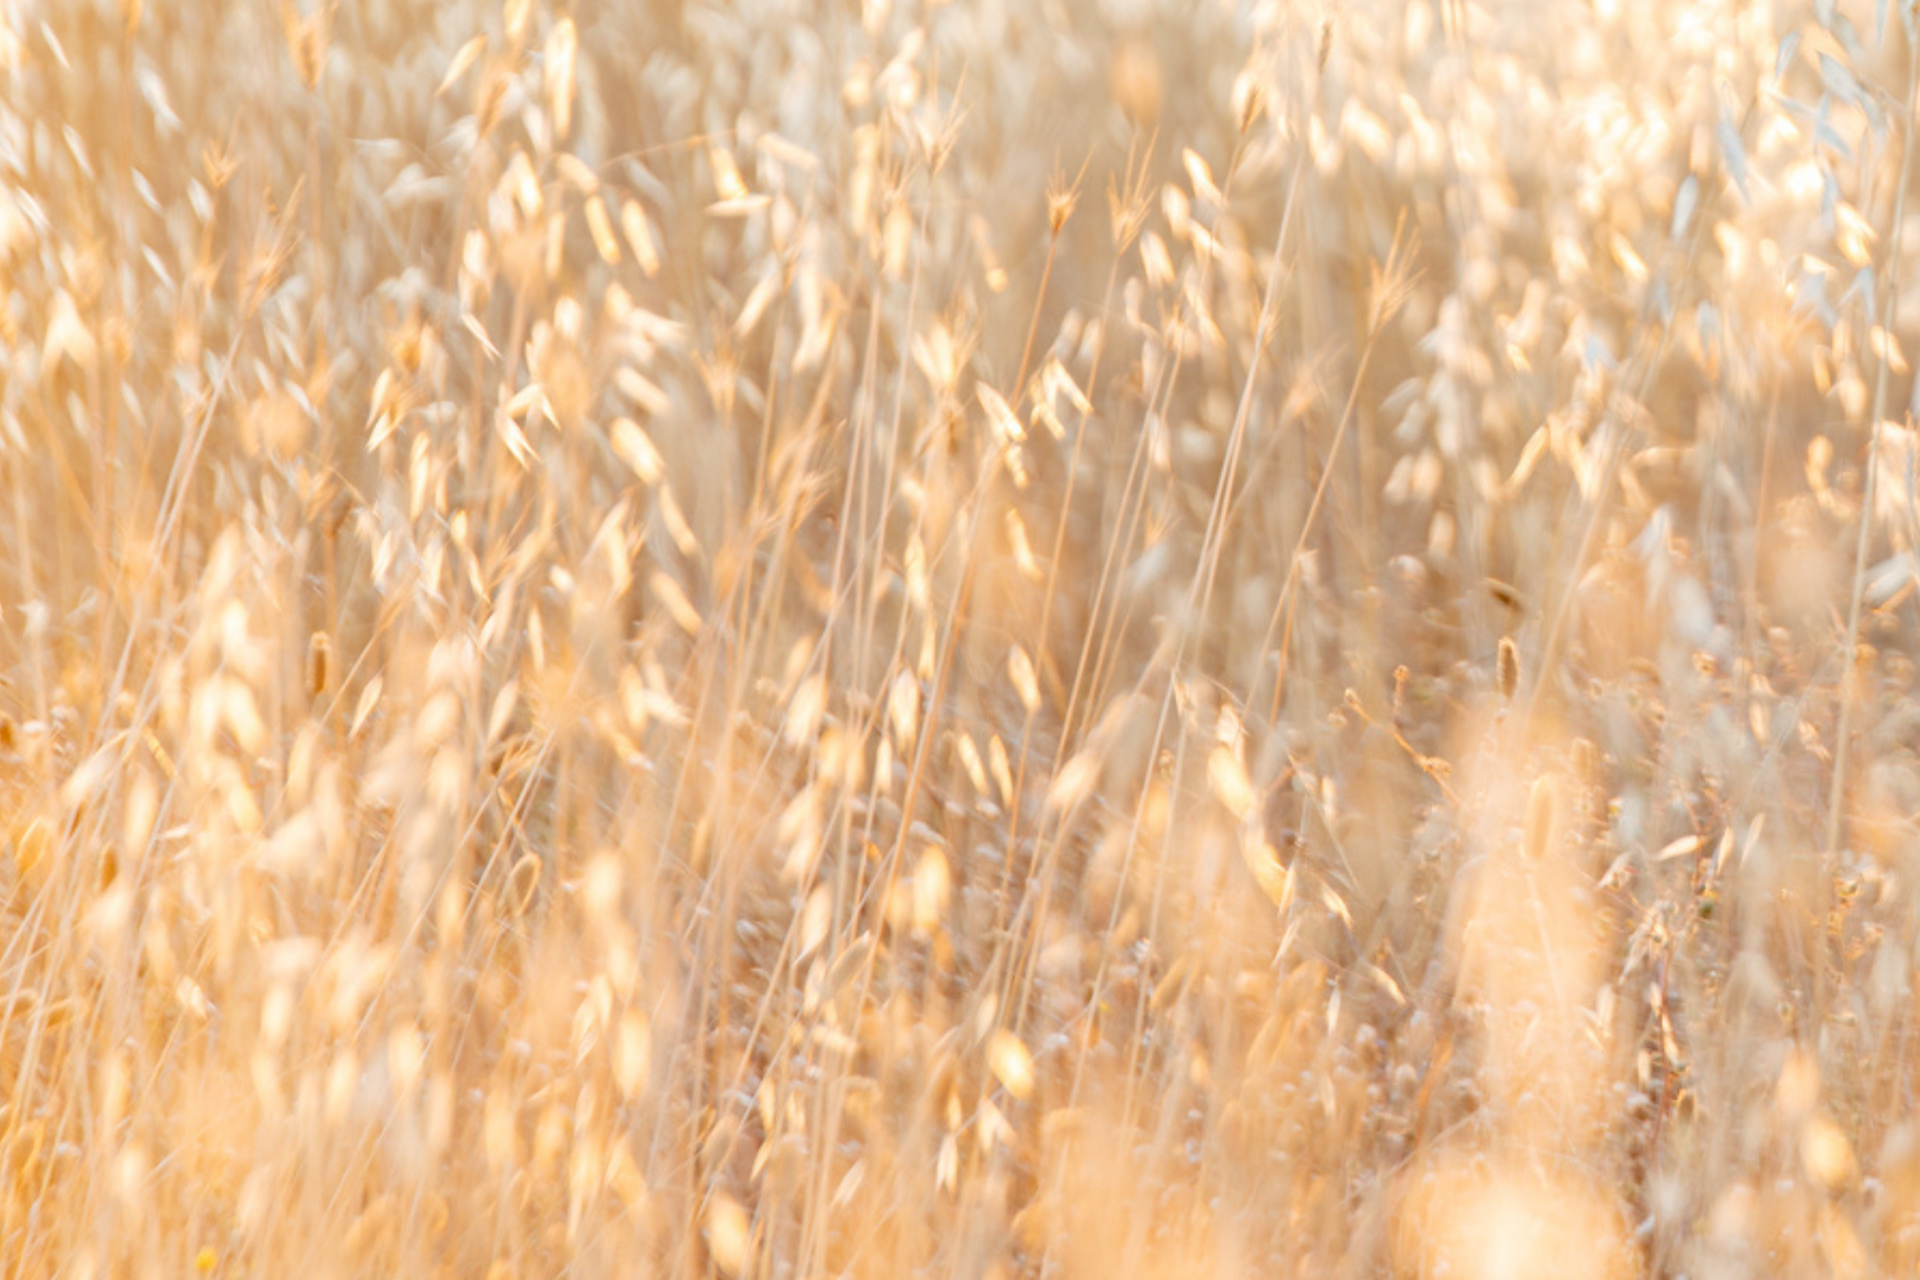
(763, 639)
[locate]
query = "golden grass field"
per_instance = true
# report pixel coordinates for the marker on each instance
(1088, 638)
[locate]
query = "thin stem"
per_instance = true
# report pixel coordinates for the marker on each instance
(1836, 796)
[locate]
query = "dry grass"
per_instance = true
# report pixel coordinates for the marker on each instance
(1072, 639)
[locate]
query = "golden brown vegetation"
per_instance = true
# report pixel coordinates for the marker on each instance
(1070, 639)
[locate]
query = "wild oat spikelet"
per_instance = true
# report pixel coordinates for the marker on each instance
(1509, 667)
(1136, 81)
(1250, 100)
(307, 39)
(319, 663)
(1060, 202)
(1586, 758)
(1546, 805)
(523, 882)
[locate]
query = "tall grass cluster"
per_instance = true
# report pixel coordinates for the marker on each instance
(775, 639)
